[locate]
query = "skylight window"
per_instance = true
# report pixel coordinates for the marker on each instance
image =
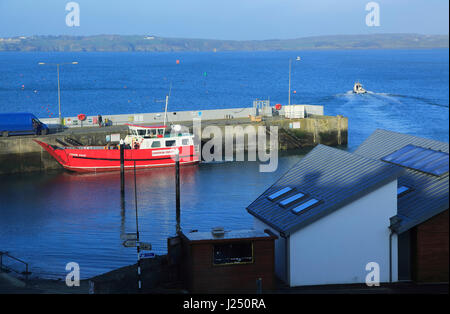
(291, 199)
(306, 205)
(421, 159)
(401, 190)
(279, 193)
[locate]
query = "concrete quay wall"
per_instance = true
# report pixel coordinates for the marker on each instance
(20, 154)
(179, 116)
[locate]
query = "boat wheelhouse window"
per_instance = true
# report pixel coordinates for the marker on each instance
(233, 253)
(185, 141)
(141, 132)
(156, 144)
(160, 131)
(152, 133)
(279, 193)
(170, 143)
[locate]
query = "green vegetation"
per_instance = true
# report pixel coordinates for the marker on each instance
(155, 44)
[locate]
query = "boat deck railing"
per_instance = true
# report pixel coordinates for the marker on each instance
(83, 147)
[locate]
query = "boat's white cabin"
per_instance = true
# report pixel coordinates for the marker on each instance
(182, 140)
(357, 88)
(156, 137)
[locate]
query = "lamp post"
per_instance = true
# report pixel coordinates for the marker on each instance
(290, 67)
(59, 89)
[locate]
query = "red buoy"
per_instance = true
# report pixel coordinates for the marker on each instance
(278, 106)
(81, 117)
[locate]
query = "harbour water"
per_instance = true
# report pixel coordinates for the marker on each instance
(55, 218)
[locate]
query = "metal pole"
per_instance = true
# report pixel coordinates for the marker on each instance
(122, 168)
(59, 95)
(390, 255)
(137, 234)
(165, 112)
(259, 285)
(289, 99)
(59, 85)
(177, 190)
(122, 214)
(167, 104)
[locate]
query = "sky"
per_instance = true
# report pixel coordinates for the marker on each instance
(222, 19)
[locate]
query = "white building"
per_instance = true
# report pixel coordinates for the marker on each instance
(332, 214)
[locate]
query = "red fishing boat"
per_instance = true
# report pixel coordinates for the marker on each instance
(146, 146)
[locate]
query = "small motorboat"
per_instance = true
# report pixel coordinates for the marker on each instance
(358, 89)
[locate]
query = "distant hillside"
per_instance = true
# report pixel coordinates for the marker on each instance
(154, 43)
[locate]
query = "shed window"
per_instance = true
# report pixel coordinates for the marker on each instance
(233, 253)
(185, 142)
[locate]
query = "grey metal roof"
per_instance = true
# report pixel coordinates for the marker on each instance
(334, 176)
(429, 196)
(228, 235)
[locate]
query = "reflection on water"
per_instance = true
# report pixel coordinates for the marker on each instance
(55, 218)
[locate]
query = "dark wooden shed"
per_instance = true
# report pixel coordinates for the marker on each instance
(227, 261)
(430, 250)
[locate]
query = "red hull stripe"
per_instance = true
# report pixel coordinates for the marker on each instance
(132, 166)
(115, 159)
(108, 168)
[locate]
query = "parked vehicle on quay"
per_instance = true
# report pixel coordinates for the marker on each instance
(21, 124)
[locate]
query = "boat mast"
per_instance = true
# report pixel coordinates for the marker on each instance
(165, 111)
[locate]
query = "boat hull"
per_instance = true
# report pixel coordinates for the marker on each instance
(98, 159)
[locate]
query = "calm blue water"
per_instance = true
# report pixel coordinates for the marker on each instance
(55, 218)
(410, 87)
